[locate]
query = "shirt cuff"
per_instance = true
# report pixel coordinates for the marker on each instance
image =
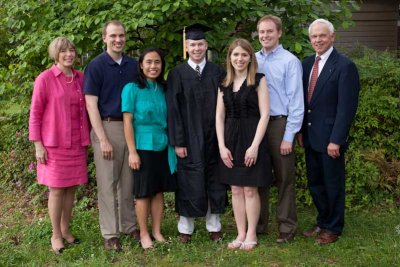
(288, 137)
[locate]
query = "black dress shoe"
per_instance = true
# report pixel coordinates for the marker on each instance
(216, 236)
(112, 244)
(135, 234)
(185, 238)
(285, 237)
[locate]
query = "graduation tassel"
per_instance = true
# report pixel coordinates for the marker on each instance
(184, 42)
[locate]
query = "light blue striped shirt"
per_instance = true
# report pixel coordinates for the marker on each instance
(283, 72)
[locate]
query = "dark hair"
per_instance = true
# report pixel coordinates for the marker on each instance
(141, 78)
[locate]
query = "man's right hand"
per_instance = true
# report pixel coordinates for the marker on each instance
(106, 149)
(299, 138)
(181, 151)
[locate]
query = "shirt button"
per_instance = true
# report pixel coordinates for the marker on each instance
(309, 124)
(309, 111)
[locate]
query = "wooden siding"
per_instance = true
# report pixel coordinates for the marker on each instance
(375, 26)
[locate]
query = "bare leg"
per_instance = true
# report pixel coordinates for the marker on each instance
(252, 199)
(55, 204)
(157, 212)
(68, 203)
(238, 204)
(142, 213)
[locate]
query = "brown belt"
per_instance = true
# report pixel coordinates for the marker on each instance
(111, 119)
(274, 118)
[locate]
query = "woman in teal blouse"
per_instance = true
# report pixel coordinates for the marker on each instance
(145, 126)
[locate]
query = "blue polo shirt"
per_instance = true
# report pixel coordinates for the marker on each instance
(105, 79)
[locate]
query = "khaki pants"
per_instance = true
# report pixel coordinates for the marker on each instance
(114, 184)
(284, 179)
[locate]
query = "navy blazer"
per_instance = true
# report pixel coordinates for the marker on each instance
(328, 117)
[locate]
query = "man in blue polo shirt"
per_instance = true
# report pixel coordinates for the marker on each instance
(105, 77)
(284, 77)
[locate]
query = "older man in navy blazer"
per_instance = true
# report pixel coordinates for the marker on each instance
(331, 88)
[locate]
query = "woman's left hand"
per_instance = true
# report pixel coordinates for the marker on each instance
(134, 161)
(250, 157)
(41, 152)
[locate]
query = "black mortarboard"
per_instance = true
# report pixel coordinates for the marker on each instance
(196, 31)
(193, 32)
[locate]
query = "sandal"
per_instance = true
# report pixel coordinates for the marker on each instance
(146, 243)
(235, 244)
(75, 241)
(248, 245)
(56, 250)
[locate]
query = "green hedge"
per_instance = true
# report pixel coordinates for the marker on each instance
(373, 158)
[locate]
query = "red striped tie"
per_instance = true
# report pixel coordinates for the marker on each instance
(314, 77)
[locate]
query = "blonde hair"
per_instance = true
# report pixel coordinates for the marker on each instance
(251, 68)
(58, 44)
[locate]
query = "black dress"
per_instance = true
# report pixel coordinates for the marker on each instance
(241, 121)
(191, 102)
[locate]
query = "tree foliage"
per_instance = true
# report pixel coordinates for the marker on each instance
(34, 24)
(30, 25)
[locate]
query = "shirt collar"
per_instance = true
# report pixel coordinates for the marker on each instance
(111, 61)
(262, 52)
(325, 55)
(193, 65)
(57, 72)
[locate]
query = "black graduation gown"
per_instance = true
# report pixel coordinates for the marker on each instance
(191, 105)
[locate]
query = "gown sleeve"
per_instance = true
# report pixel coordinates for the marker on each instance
(176, 132)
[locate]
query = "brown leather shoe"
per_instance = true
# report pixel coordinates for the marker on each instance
(135, 234)
(314, 231)
(112, 244)
(326, 237)
(285, 237)
(216, 236)
(185, 238)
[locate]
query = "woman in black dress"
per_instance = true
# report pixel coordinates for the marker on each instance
(241, 121)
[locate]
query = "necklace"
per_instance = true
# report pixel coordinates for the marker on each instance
(71, 79)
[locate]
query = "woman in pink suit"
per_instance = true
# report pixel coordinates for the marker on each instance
(59, 128)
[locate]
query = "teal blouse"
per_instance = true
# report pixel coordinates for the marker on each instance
(149, 109)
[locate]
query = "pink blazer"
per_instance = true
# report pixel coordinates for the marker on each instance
(50, 114)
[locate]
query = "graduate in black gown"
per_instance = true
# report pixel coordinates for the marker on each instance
(191, 99)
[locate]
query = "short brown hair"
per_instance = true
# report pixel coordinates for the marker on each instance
(58, 44)
(276, 20)
(251, 68)
(114, 22)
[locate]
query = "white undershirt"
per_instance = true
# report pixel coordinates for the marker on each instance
(119, 61)
(201, 65)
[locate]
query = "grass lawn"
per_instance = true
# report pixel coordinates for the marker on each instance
(371, 238)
